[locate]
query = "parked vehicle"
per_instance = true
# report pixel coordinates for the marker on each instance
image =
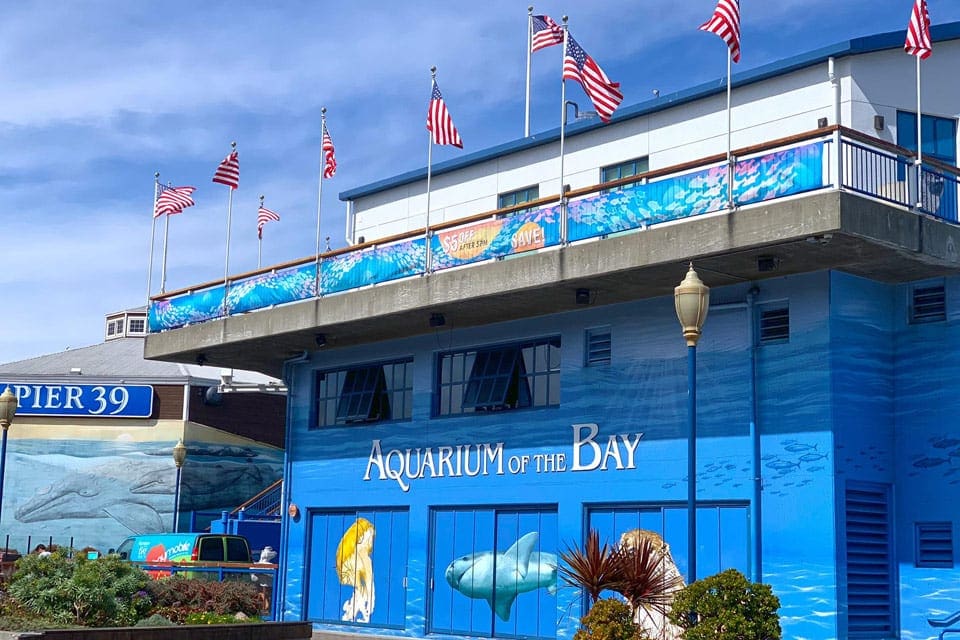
(211, 551)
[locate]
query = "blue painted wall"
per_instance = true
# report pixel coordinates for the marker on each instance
(848, 398)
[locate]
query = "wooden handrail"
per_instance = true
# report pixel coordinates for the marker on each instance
(648, 175)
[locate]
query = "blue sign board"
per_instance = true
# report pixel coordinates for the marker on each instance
(85, 400)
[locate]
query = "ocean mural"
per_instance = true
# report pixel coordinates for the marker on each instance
(355, 569)
(97, 492)
(773, 175)
(499, 577)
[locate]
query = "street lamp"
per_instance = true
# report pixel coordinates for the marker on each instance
(692, 300)
(8, 409)
(179, 456)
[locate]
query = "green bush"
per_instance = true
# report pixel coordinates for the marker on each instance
(609, 619)
(177, 597)
(727, 606)
(219, 618)
(156, 620)
(103, 592)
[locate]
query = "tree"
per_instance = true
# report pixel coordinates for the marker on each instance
(727, 606)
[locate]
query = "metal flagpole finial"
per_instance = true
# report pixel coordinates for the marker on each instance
(433, 71)
(261, 201)
(565, 18)
(323, 112)
(530, 10)
(233, 145)
(156, 176)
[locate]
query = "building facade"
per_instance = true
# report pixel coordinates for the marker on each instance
(468, 401)
(89, 458)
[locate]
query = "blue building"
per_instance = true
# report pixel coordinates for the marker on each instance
(471, 395)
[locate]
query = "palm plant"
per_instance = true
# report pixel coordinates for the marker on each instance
(647, 577)
(593, 568)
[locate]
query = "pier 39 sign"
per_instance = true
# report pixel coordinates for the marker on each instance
(587, 453)
(83, 400)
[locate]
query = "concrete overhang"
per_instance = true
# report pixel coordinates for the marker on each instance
(825, 230)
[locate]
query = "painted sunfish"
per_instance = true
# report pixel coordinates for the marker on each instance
(519, 569)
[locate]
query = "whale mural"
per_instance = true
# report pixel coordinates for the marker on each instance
(499, 577)
(97, 492)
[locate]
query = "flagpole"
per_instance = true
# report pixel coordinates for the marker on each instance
(563, 127)
(153, 234)
(163, 264)
(323, 128)
(919, 142)
(226, 267)
(526, 122)
(259, 236)
(729, 132)
(426, 232)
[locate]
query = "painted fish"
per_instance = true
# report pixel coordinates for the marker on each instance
(519, 569)
(946, 443)
(926, 463)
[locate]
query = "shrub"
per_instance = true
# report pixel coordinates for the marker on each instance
(219, 618)
(727, 606)
(102, 592)
(156, 620)
(609, 619)
(177, 597)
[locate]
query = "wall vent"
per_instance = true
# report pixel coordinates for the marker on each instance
(775, 324)
(598, 347)
(934, 544)
(870, 574)
(928, 304)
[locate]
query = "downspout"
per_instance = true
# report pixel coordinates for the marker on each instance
(280, 588)
(835, 83)
(757, 470)
(351, 228)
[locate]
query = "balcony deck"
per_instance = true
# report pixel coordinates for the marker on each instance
(861, 227)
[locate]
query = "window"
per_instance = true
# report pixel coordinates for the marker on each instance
(111, 328)
(624, 170)
(938, 193)
(342, 545)
(774, 323)
(237, 550)
(365, 394)
(928, 303)
(871, 606)
(211, 549)
(511, 198)
(939, 135)
(597, 349)
(465, 544)
(513, 376)
(137, 326)
(934, 544)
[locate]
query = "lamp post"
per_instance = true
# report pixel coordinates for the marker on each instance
(8, 409)
(179, 456)
(692, 300)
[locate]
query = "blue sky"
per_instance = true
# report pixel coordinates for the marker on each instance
(100, 94)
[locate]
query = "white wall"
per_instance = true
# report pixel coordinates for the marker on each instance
(792, 103)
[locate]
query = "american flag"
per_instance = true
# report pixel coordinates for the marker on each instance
(725, 22)
(264, 216)
(546, 33)
(604, 94)
(918, 32)
(329, 159)
(228, 172)
(439, 122)
(171, 200)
